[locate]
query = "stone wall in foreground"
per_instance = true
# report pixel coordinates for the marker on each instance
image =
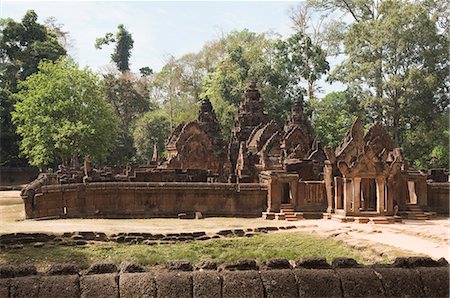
(310, 277)
(145, 199)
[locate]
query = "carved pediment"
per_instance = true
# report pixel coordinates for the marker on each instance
(379, 139)
(353, 143)
(366, 164)
(261, 135)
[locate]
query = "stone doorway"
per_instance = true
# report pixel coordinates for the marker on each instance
(368, 194)
(285, 193)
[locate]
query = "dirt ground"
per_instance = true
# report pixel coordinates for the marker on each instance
(431, 237)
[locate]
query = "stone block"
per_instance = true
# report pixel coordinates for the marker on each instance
(130, 267)
(4, 287)
(179, 265)
(99, 268)
(206, 284)
(435, 281)
(242, 264)
(400, 282)
(99, 285)
(137, 285)
(277, 264)
(24, 287)
(317, 283)
(279, 283)
(63, 269)
(236, 284)
(360, 282)
(174, 284)
(312, 263)
(59, 286)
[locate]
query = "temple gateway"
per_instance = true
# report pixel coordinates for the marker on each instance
(265, 170)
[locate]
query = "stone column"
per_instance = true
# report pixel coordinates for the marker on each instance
(328, 177)
(356, 194)
(348, 195)
(381, 184)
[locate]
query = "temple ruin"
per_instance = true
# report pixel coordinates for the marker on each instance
(278, 172)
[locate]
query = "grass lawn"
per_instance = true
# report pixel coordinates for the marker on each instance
(290, 245)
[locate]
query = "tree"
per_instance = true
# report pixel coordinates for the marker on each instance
(397, 64)
(247, 56)
(152, 128)
(300, 59)
(122, 52)
(333, 115)
(22, 46)
(60, 115)
(128, 104)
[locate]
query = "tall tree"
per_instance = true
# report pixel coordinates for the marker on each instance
(301, 60)
(128, 103)
(61, 116)
(124, 44)
(152, 128)
(397, 63)
(22, 46)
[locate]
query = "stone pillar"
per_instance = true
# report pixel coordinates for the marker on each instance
(348, 195)
(337, 193)
(356, 194)
(381, 184)
(328, 177)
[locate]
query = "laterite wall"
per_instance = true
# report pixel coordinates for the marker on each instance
(344, 278)
(146, 199)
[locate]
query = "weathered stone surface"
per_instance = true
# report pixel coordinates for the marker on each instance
(412, 262)
(277, 264)
(206, 265)
(63, 269)
(237, 284)
(400, 282)
(435, 281)
(24, 287)
(243, 264)
(99, 285)
(4, 287)
(174, 284)
(317, 283)
(312, 263)
(344, 263)
(130, 267)
(59, 286)
(360, 282)
(137, 284)
(7, 271)
(279, 283)
(179, 265)
(100, 268)
(206, 284)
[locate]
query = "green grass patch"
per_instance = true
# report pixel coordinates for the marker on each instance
(260, 247)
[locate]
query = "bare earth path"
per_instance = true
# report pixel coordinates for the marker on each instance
(430, 237)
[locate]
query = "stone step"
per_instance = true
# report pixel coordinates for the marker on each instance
(287, 209)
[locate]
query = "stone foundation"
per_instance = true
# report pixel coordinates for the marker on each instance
(309, 277)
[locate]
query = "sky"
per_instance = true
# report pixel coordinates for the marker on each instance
(159, 28)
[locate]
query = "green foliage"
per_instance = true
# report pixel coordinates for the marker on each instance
(60, 114)
(121, 91)
(152, 128)
(333, 116)
(22, 45)
(177, 87)
(297, 58)
(397, 65)
(247, 56)
(145, 71)
(122, 52)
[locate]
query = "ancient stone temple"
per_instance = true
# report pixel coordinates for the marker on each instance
(198, 144)
(250, 115)
(277, 172)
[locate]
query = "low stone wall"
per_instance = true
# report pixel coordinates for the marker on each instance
(309, 277)
(438, 197)
(146, 199)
